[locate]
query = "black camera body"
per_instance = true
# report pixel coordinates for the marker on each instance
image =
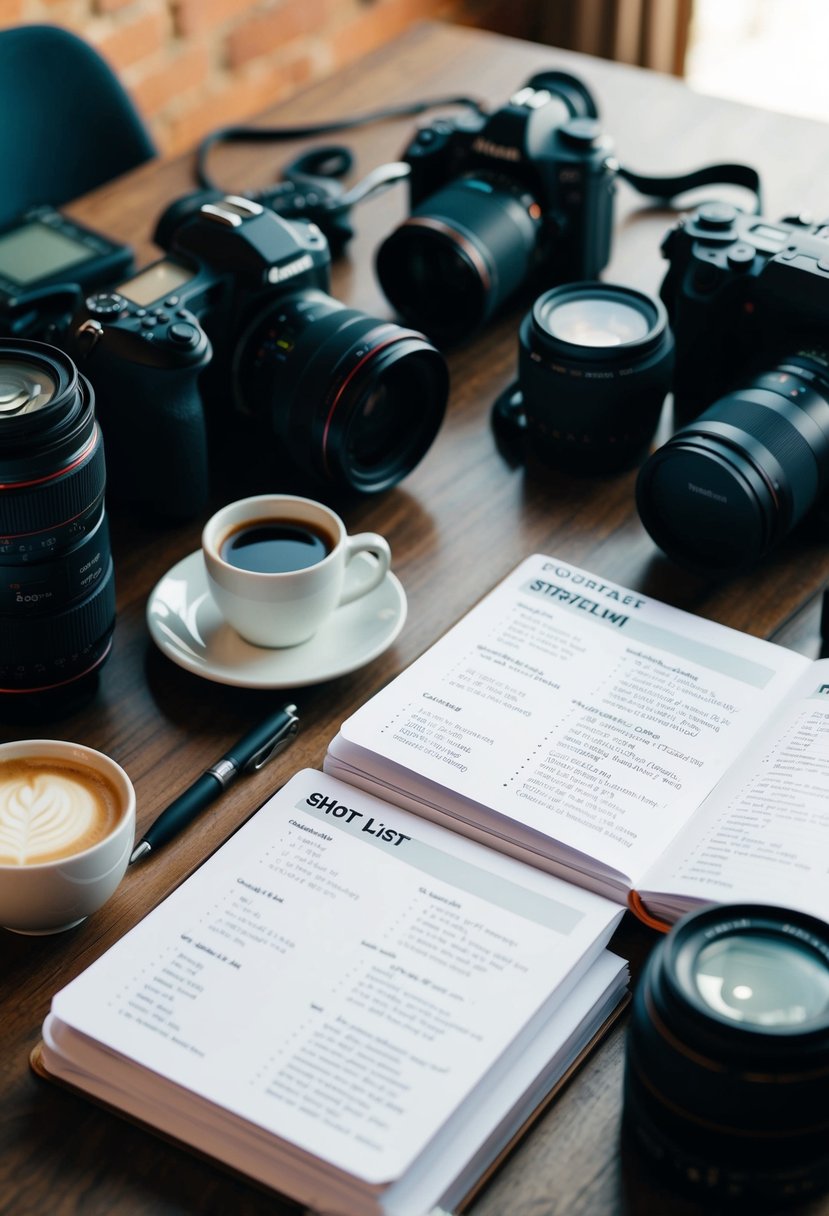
(741, 291)
(145, 343)
(522, 196)
(748, 299)
(233, 337)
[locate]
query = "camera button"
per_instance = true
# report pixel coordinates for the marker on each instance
(148, 322)
(182, 333)
(740, 256)
(716, 216)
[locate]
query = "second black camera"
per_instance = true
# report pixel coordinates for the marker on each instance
(749, 302)
(518, 197)
(348, 399)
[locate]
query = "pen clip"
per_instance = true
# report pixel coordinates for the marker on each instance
(274, 745)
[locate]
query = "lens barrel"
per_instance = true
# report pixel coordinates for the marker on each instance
(460, 255)
(355, 401)
(726, 489)
(57, 596)
(727, 1067)
(594, 368)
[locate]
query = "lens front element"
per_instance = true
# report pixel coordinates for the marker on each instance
(763, 980)
(590, 321)
(24, 387)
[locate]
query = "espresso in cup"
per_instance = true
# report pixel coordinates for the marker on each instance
(67, 828)
(279, 566)
(276, 546)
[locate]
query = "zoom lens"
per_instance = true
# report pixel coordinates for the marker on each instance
(355, 401)
(459, 256)
(57, 597)
(594, 367)
(726, 489)
(727, 1066)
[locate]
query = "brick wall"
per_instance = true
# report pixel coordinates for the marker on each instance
(192, 65)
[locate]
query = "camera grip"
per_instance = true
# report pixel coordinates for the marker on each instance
(145, 379)
(155, 439)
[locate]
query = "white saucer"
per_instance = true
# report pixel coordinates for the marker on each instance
(186, 625)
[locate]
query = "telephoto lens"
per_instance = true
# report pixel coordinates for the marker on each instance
(727, 1070)
(727, 488)
(355, 401)
(57, 595)
(594, 368)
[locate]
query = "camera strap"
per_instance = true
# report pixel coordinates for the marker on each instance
(335, 162)
(666, 189)
(339, 158)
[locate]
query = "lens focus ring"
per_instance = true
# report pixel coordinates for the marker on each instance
(49, 502)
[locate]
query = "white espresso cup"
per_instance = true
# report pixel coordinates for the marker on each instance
(67, 828)
(278, 566)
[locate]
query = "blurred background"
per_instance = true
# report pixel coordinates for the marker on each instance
(192, 65)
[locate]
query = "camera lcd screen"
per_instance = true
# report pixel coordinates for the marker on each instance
(36, 252)
(155, 282)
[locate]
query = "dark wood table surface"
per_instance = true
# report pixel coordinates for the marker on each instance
(463, 519)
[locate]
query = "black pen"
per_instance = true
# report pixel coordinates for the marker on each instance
(251, 753)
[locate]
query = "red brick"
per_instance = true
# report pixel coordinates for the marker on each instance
(263, 33)
(196, 16)
(236, 102)
(384, 21)
(180, 74)
(130, 42)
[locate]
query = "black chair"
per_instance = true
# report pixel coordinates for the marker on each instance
(66, 122)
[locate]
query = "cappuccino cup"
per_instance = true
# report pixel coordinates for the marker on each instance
(278, 566)
(67, 828)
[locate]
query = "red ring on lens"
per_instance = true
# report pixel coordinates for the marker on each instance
(37, 481)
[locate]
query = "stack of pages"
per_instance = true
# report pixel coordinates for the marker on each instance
(346, 1003)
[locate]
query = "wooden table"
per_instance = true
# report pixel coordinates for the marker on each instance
(456, 526)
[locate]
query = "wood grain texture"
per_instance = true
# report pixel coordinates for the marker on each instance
(462, 520)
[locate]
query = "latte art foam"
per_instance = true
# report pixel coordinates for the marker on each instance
(50, 810)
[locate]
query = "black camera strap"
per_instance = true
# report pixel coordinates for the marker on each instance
(666, 189)
(336, 161)
(339, 159)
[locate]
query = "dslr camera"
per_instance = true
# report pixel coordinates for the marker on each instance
(236, 321)
(749, 302)
(500, 201)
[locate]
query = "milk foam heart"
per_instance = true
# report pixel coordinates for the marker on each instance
(50, 810)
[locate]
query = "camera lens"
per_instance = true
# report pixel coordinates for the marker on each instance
(356, 401)
(724, 490)
(727, 1065)
(57, 598)
(459, 256)
(594, 367)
